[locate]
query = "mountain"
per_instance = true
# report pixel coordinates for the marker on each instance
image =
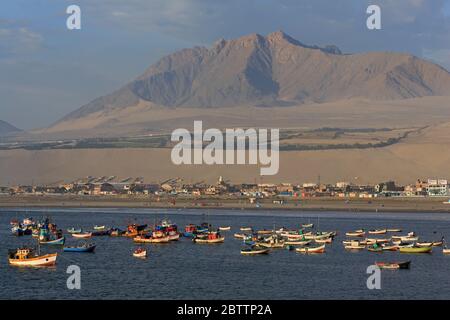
(273, 70)
(6, 128)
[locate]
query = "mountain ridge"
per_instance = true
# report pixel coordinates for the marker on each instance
(7, 128)
(273, 70)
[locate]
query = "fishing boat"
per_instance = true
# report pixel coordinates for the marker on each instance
(99, 227)
(274, 244)
(28, 258)
(116, 232)
(82, 235)
(374, 240)
(59, 241)
(227, 228)
(393, 265)
(85, 247)
(140, 253)
(354, 245)
(394, 230)
(246, 229)
(254, 251)
(319, 235)
(404, 239)
(308, 225)
(326, 240)
(358, 233)
(424, 244)
(263, 232)
(155, 237)
(189, 230)
(415, 249)
(308, 250)
(211, 237)
(133, 230)
(378, 231)
(445, 250)
(73, 230)
(297, 242)
(240, 235)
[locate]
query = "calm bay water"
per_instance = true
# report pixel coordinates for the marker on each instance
(183, 270)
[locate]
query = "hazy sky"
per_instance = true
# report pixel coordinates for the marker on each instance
(47, 71)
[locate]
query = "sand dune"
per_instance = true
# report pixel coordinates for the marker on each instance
(417, 157)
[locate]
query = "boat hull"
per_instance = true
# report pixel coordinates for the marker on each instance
(415, 250)
(79, 249)
(308, 250)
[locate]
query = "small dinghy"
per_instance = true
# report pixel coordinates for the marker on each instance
(308, 225)
(308, 250)
(99, 227)
(246, 229)
(415, 249)
(59, 241)
(73, 230)
(394, 230)
(445, 250)
(424, 244)
(378, 231)
(140, 253)
(254, 250)
(357, 233)
(82, 235)
(297, 242)
(228, 228)
(393, 265)
(85, 247)
(354, 245)
(326, 240)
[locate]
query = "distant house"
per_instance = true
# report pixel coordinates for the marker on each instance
(437, 187)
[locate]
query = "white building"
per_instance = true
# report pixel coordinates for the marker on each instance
(437, 187)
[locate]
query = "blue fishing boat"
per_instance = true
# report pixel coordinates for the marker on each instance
(59, 241)
(85, 247)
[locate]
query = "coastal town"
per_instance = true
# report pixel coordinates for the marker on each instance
(176, 187)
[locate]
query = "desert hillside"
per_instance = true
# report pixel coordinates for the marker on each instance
(267, 72)
(421, 155)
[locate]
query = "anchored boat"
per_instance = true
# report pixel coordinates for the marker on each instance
(82, 235)
(211, 237)
(85, 247)
(393, 265)
(140, 253)
(415, 249)
(319, 249)
(26, 257)
(254, 251)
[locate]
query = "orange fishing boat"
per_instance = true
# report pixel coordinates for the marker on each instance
(26, 257)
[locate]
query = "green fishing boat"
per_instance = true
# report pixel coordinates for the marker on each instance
(415, 249)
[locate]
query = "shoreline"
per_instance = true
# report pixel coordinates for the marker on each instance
(374, 205)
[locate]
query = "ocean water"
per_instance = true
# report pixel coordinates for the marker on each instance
(184, 270)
